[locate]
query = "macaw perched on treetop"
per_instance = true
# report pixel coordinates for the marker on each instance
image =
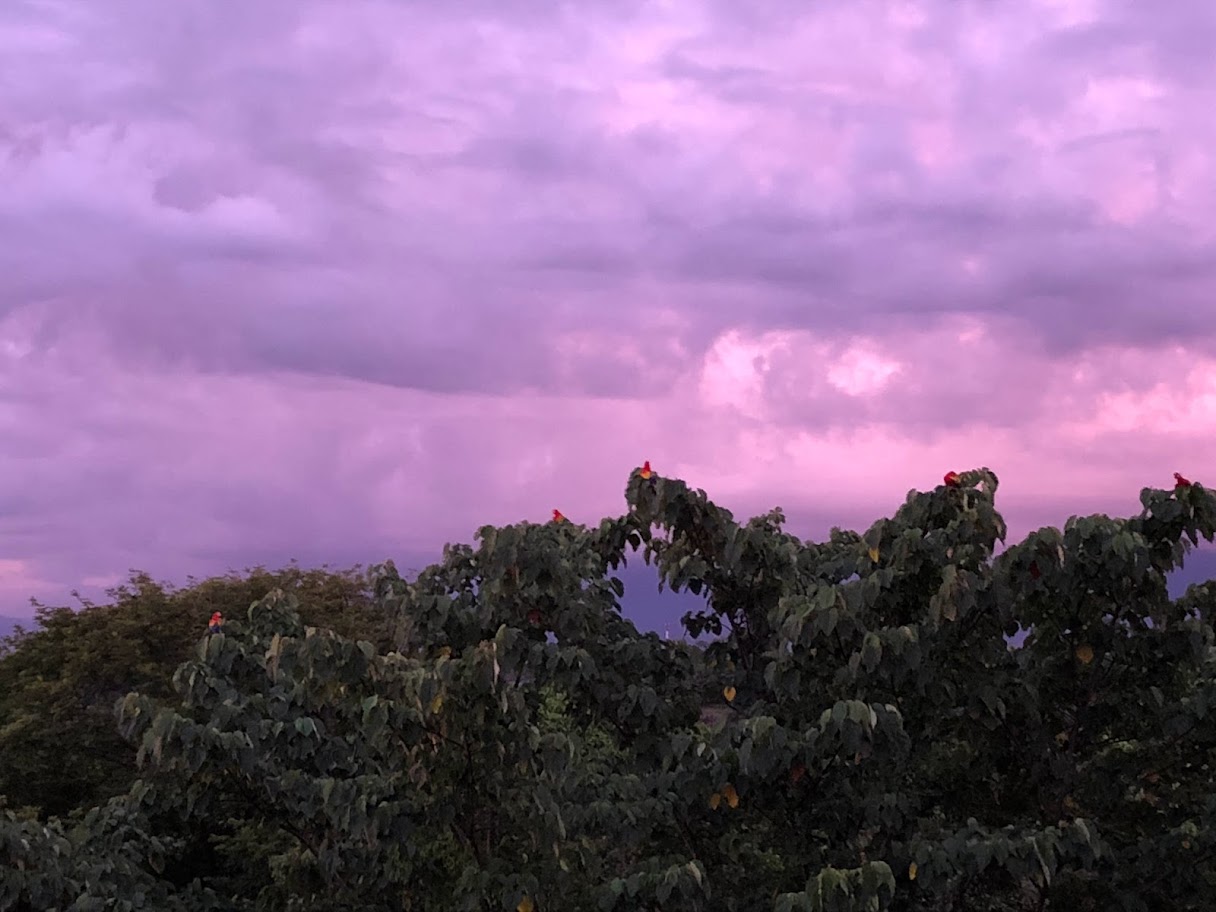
(216, 624)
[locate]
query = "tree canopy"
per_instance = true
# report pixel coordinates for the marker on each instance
(59, 746)
(856, 731)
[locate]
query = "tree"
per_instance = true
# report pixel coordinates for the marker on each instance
(59, 746)
(522, 746)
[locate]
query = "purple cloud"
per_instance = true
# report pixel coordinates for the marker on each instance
(345, 281)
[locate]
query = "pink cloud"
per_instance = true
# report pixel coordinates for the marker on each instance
(266, 461)
(19, 582)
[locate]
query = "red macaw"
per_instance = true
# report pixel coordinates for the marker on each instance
(217, 623)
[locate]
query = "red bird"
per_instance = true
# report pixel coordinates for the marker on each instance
(1180, 482)
(645, 472)
(216, 623)
(952, 480)
(558, 517)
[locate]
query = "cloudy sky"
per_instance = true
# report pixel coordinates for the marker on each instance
(343, 280)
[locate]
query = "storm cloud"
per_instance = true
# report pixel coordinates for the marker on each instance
(346, 280)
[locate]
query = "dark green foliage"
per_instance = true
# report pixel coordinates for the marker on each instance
(519, 745)
(59, 747)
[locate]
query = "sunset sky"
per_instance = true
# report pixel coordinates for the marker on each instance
(343, 280)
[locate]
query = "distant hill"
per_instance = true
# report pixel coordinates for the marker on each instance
(8, 624)
(1200, 567)
(659, 611)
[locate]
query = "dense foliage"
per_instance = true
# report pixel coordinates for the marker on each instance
(512, 742)
(59, 746)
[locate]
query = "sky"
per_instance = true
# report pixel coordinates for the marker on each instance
(343, 280)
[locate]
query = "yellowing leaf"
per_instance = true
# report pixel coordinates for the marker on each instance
(912, 871)
(874, 555)
(714, 800)
(437, 703)
(1085, 654)
(732, 797)
(729, 693)
(525, 905)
